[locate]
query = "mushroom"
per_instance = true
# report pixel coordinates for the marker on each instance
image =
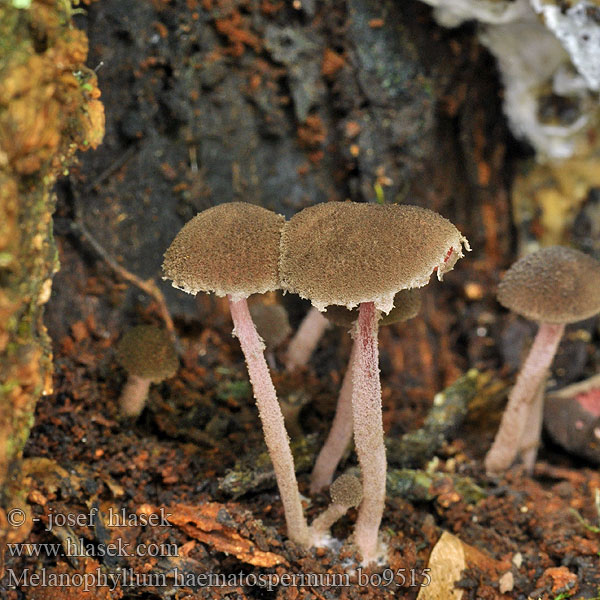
(572, 418)
(292, 404)
(407, 304)
(346, 493)
(271, 322)
(148, 355)
(305, 340)
(553, 286)
(232, 249)
(356, 254)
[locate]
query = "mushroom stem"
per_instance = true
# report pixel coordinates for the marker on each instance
(271, 417)
(368, 431)
(305, 340)
(530, 442)
(133, 397)
(339, 436)
(508, 440)
(320, 527)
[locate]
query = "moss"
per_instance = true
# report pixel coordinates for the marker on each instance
(7, 387)
(238, 390)
(443, 422)
(419, 486)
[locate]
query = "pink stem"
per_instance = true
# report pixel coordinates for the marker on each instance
(271, 417)
(530, 441)
(133, 396)
(339, 436)
(305, 340)
(320, 527)
(514, 420)
(368, 431)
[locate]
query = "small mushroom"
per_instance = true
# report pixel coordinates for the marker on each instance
(271, 322)
(572, 418)
(407, 304)
(346, 493)
(291, 407)
(233, 249)
(357, 254)
(553, 286)
(148, 355)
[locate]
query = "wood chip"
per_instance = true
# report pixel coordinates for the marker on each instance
(200, 522)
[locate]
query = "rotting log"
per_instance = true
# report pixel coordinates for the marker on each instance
(49, 109)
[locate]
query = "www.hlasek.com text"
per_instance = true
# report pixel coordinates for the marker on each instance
(82, 548)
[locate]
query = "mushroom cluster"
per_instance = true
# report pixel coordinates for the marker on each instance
(335, 254)
(354, 254)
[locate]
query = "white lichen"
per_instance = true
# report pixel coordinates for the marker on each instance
(541, 60)
(451, 13)
(578, 30)
(533, 64)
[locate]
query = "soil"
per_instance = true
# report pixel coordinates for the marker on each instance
(84, 459)
(287, 105)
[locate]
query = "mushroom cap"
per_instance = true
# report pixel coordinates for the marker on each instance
(553, 285)
(407, 304)
(346, 253)
(346, 490)
(147, 351)
(272, 324)
(231, 248)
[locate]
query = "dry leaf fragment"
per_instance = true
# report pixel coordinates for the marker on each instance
(201, 523)
(446, 563)
(449, 557)
(506, 583)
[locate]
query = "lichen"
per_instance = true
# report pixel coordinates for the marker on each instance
(550, 68)
(451, 13)
(578, 29)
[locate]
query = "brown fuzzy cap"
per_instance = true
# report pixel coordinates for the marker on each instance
(231, 248)
(346, 253)
(148, 352)
(553, 285)
(407, 304)
(346, 490)
(272, 324)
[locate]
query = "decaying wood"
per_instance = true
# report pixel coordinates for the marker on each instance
(49, 109)
(205, 523)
